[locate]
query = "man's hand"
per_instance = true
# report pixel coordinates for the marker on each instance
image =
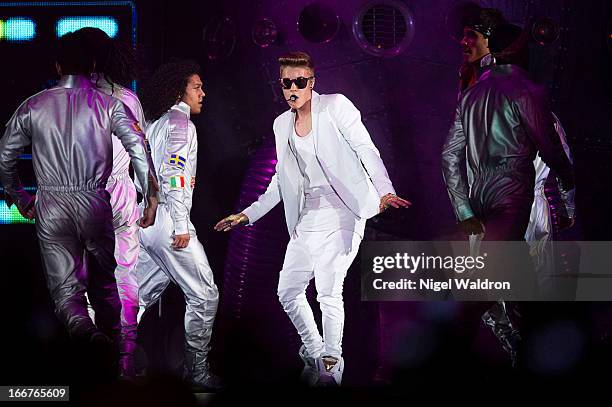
(231, 221)
(471, 226)
(148, 215)
(180, 241)
(31, 213)
(394, 201)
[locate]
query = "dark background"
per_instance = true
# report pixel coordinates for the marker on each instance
(406, 103)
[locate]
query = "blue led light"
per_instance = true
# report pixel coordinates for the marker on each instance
(66, 25)
(19, 29)
(105, 3)
(12, 215)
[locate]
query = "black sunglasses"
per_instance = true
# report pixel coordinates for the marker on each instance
(300, 82)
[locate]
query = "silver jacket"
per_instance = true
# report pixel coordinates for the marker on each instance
(500, 124)
(73, 109)
(121, 159)
(540, 223)
(174, 148)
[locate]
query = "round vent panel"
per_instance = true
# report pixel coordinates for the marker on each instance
(384, 28)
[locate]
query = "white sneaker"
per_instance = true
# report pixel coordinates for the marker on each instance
(310, 373)
(330, 370)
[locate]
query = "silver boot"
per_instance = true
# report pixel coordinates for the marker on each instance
(498, 320)
(199, 374)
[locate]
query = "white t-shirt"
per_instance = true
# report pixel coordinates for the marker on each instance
(315, 182)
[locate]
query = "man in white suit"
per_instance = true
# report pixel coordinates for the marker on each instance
(331, 179)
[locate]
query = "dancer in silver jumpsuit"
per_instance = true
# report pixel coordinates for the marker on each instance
(500, 124)
(539, 234)
(115, 63)
(70, 127)
(170, 250)
(473, 29)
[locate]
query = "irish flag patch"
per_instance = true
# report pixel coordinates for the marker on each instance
(177, 181)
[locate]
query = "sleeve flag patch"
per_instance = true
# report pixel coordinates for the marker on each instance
(177, 181)
(176, 159)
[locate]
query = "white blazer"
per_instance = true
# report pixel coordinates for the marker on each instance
(350, 161)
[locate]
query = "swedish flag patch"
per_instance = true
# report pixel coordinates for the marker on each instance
(176, 159)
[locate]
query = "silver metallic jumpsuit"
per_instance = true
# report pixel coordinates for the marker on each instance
(125, 215)
(500, 124)
(174, 147)
(70, 127)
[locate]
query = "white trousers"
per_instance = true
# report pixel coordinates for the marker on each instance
(323, 247)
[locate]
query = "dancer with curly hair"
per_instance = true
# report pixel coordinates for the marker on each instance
(171, 250)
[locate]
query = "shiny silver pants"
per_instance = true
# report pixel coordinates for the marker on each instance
(76, 238)
(502, 201)
(159, 264)
(127, 245)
